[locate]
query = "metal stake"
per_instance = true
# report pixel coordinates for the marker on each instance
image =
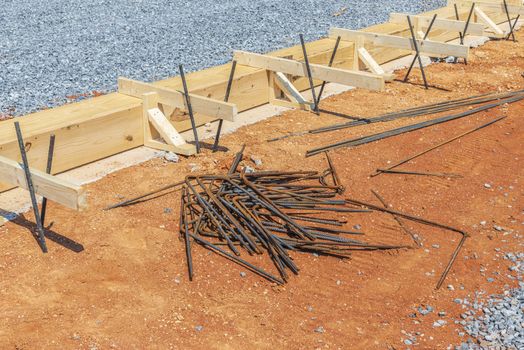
(331, 60)
(509, 22)
(415, 44)
(512, 27)
(189, 107)
(416, 56)
(226, 99)
(309, 75)
(48, 170)
(39, 228)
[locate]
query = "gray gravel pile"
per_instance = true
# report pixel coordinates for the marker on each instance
(498, 323)
(57, 48)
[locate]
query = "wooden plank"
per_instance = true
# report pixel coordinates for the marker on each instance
(440, 23)
(83, 139)
(49, 186)
(333, 75)
(488, 21)
(498, 6)
(201, 104)
(428, 47)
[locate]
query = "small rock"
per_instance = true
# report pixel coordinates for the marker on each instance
(487, 185)
(450, 287)
(249, 169)
(243, 274)
(193, 167)
(199, 328)
(168, 210)
(320, 329)
(439, 323)
(442, 313)
(257, 160)
(436, 246)
(408, 342)
(357, 227)
(483, 222)
(171, 157)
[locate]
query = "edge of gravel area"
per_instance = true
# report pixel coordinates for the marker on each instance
(57, 51)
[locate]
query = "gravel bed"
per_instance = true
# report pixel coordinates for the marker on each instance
(497, 323)
(56, 51)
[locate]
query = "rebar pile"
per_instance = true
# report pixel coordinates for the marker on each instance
(268, 213)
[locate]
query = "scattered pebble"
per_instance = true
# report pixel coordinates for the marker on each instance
(487, 185)
(199, 328)
(257, 160)
(171, 157)
(243, 274)
(320, 330)
(424, 311)
(439, 323)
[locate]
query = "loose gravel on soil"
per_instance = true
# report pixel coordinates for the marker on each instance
(498, 323)
(55, 49)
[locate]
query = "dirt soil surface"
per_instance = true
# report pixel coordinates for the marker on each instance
(118, 279)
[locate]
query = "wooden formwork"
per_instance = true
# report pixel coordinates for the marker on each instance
(153, 114)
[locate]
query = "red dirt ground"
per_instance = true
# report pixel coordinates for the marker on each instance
(119, 279)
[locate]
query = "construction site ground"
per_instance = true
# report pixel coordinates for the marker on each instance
(118, 279)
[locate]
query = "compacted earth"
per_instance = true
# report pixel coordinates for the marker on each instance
(118, 279)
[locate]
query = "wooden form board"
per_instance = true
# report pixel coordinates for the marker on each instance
(514, 7)
(207, 106)
(440, 23)
(97, 128)
(332, 75)
(428, 47)
(51, 187)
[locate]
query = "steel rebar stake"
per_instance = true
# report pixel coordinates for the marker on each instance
(309, 75)
(331, 60)
(39, 227)
(189, 107)
(415, 44)
(226, 99)
(48, 171)
(416, 56)
(509, 22)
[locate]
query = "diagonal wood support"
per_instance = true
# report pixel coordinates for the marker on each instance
(156, 125)
(281, 86)
(482, 16)
(372, 65)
